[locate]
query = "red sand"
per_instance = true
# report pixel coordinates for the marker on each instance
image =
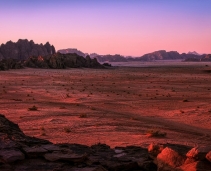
(119, 105)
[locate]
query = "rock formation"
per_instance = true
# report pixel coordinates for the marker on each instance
(72, 50)
(6, 64)
(61, 61)
(24, 49)
(24, 153)
(193, 53)
(206, 57)
(54, 61)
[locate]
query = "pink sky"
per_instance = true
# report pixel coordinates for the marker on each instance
(129, 28)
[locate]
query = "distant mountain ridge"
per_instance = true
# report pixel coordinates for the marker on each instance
(72, 50)
(194, 53)
(157, 55)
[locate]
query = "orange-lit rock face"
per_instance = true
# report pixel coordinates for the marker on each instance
(40, 58)
(113, 106)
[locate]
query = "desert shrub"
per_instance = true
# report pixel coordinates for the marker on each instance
(155, 133)
(33, 108)
(83, 115)
(42, 131)
(67, 129)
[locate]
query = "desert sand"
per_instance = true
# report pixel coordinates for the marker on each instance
(116, 106)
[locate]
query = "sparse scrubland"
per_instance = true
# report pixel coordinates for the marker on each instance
(116, 106)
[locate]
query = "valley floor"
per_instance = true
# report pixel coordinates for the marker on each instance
(115, 106)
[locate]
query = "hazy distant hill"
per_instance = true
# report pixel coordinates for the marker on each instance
(71, 50)
(193, 53)
(23, 49)
(111, 58)
(203, 58)
(157, 55)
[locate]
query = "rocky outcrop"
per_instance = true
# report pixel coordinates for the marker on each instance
(24, 49)
(55, 61)
(161, 55)
(61, 61)
(193, 53)
(72, 50)
(6, 64)
(206, 57)
(171, 157)
(21, 152)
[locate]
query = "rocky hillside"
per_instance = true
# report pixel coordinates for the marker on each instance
(23, 153)
(24, 49)
(54, 61)
(61, 61)
(6, 64)
(202, 58)
(71, 50)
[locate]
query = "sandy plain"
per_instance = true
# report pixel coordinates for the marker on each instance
(114, 106)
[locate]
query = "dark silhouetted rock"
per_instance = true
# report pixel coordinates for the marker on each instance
(6, 64)
(61, 61)
(193, 53)
(24, 49)
(107, 64)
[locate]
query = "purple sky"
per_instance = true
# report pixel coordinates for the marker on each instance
(127, 27)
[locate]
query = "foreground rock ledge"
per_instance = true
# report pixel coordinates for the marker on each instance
(23, 153)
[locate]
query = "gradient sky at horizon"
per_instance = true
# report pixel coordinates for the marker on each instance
(126, 27)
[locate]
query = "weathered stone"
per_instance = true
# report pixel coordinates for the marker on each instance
(40, 164)
(34, 151)
(169, 159)
(198, 153)
(50, 147)
(11, 155)
(55, 156)
(119, 155)
(155, 149)
(196, 166)
(208, 156)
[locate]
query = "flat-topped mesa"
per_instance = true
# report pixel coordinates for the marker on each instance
(23, 49)
(21, 152)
